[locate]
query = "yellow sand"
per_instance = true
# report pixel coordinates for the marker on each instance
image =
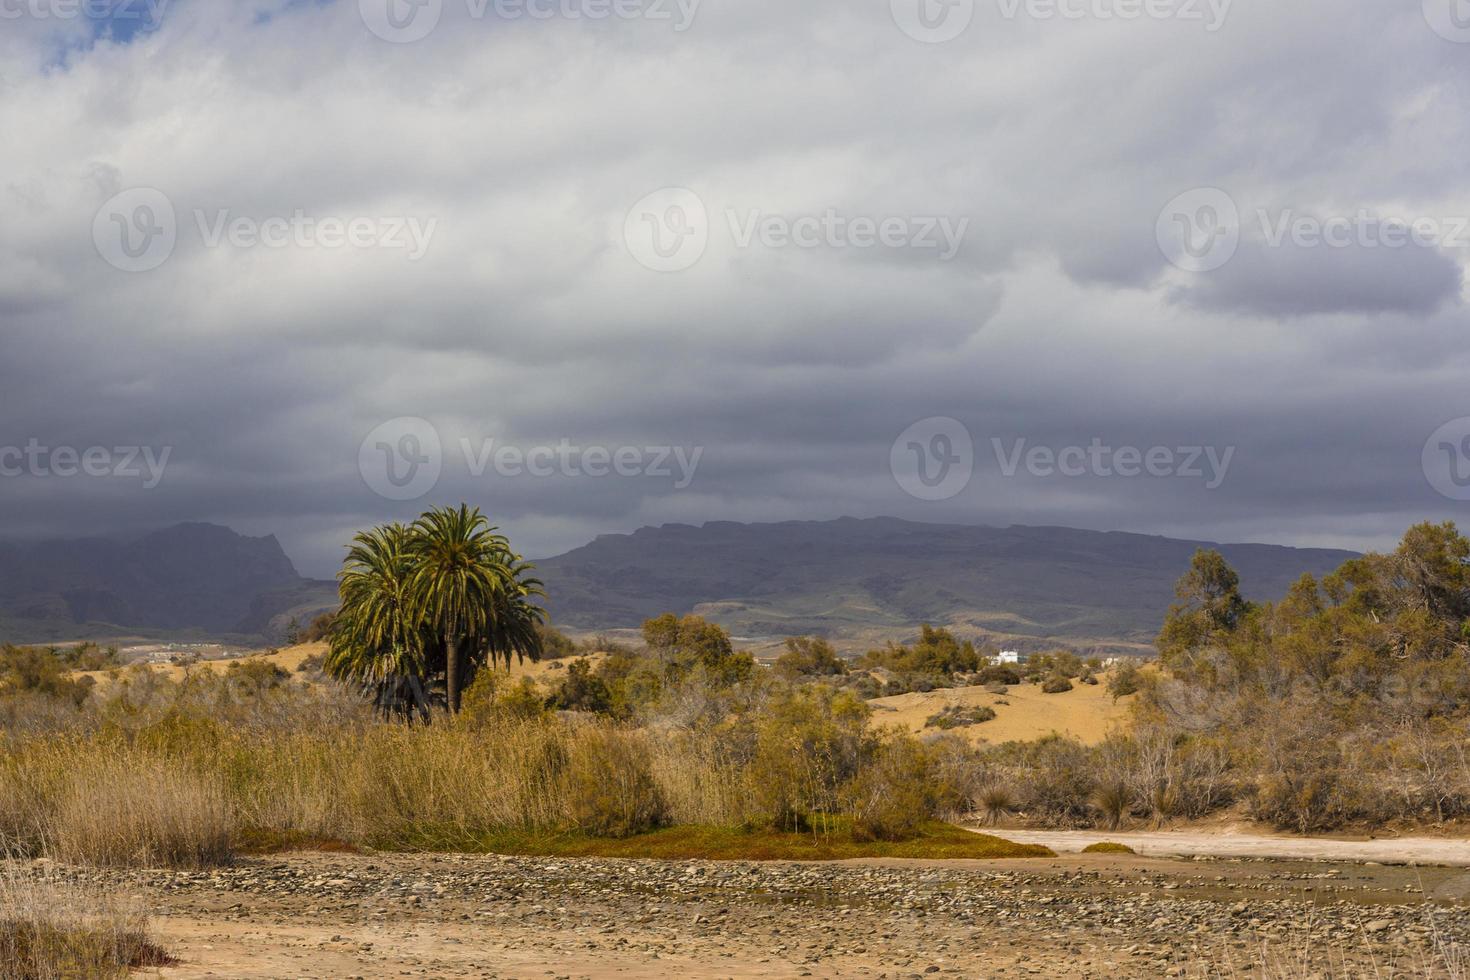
(1086, 713)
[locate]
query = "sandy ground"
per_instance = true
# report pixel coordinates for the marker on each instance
(422, 916)
(1023, 713)
(1395, 850)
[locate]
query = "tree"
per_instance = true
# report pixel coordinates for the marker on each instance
(1210, 605)
(471, 591)
(444, 596)
(809, 656)
(377, 641)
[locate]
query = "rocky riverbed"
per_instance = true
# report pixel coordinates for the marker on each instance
(1084, 916)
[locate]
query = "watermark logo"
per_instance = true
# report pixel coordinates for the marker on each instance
(401, 21)
(938, 233)
(667, 231)
(146, 464)
(1446, 459)
(402, 459)
(1361, 230)
(1450, 19)
(1199, 231)
(670, 230)
(933, 459)
(108, 11)
(137, 230)
(405, 458)
(933, 21)
(407, 21)
(1208, 464)
(1211, 13)
(566, 459)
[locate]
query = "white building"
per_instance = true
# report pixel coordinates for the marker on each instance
(1008, 657)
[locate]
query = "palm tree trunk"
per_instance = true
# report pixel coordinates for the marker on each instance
(451, 649)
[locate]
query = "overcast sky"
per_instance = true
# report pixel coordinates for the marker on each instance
(1118, 264)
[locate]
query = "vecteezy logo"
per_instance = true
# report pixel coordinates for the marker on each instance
(1450, 19)
(933, 459)
(1199, 230)
(402, 459)
(401, 21)
(1447, 459)
(668, 230)
(933, 21)
(136, 231)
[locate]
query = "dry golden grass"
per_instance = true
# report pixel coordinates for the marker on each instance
(187, 792)
(1086, 713)
(127, 811)
(52, 930)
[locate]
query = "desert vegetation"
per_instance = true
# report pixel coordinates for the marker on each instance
(1342, 704)
(51, 929)
(149, 770)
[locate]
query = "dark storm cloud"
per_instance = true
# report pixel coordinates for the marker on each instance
(529, 319)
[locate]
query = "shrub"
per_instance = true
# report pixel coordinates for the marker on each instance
(1056, 684)
(810, 742)
(896, 794)
(610, 786)
(1108, 847)
(1003, 674)
(1113, 799)
(555, 645)
(320, 629)
(27, 670)
(582, 691)
(995, 803)
(256, 673)
(937, 655)
(809, 656)
(1055, 778)
(1125, 680)
(958, 716)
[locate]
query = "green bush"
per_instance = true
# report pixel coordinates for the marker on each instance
(809, 656)
(611, 788)
(1000, 674)
(959, 716)
(1125, 680)
(896, 794)
(1056, 684)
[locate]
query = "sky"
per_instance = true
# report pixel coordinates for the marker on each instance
(1184, 267)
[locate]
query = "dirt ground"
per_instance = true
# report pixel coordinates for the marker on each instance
(1109, 916)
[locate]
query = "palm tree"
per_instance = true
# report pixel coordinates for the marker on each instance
(515, 628)
(460, 582)
(377, 640)
(444, 595)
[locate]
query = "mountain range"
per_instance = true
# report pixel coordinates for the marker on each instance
(187, 581)
(858, 582)
(864, 581)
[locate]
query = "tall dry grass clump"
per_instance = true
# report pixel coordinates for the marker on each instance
(131, 811)
(53, 930)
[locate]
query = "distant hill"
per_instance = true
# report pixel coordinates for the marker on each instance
(861, 581)
(190, 579)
